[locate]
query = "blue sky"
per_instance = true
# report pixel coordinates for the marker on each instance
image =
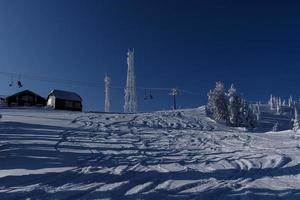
(184, 44)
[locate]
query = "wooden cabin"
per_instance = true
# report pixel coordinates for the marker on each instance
(64, 100)
(25, 98)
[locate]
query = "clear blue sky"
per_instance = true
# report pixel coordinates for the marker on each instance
(185, 44)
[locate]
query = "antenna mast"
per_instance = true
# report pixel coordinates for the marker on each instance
(130, 105)
(107, 103)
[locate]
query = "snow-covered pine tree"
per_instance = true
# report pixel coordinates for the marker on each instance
(280, 101)
(230, 109)
(271, 101)
(278, 106)
(290, 102)
(210, 108)
(217, 107)
(234, 107)
(247, 116)
(296, 122)
(275, 127)
(257, 112)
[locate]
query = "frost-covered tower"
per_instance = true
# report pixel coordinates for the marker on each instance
(107, 103)
(130, 105)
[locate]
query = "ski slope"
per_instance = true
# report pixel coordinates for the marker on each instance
(47, 154)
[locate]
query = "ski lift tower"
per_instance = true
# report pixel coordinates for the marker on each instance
(107, 103)
(174, 92)
(130, 105)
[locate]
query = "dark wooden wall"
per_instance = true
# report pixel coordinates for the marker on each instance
(60, 104)
(25, 99)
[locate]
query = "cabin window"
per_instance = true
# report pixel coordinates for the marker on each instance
(27, 98)
(69, 104)
(77, 105)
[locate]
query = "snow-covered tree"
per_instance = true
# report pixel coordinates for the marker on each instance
(296, 122)
(290, 101)
(217, 107)
(271, 102)
(283, 103)
(278, 105)
(234, 107)
(256, 112)
(275, 127)
(247, 116)
(280, 101)
(229, 108)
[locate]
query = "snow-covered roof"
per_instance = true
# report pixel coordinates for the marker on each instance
(66, 95)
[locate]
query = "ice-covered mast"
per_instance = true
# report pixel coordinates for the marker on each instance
(130, 105)
(107, 103)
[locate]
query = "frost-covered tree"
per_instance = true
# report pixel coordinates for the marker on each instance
(229, 108)
(278, 105)
(234, 107)
(275, 127)
(248, 118)
(290, 101)
(283, 103)
(296, 122)
(280, 101)
(256, 111)
(271, 103)
(217, 107)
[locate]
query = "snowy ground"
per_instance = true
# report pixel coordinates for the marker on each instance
(163, 155)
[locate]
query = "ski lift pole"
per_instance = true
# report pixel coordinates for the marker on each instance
(174, 93)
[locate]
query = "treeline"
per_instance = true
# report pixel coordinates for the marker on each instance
(229, 107)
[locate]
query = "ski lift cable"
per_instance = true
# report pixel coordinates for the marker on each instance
(69, 81)
(85, 83)
(59, 80)
(48, 79)
(153, 88)
(189, 92)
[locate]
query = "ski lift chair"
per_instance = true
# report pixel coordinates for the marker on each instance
(20, 84)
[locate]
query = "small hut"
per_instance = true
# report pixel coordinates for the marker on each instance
(25, 98)
(64, 100)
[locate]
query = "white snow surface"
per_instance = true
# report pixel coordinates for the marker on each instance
(46, 154)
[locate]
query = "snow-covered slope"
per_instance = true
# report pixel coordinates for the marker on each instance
(162, 155)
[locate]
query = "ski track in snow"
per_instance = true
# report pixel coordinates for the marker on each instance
(162, 155)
